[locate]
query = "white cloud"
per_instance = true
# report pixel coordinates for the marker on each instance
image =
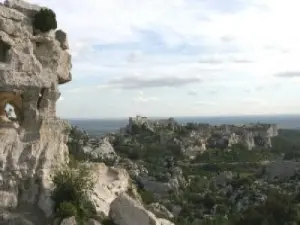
(288, 74)
(205, 103)
(192, 92)
(140, 81)
(219, 48)
(143, 99)
(116, 21)
(251, 101)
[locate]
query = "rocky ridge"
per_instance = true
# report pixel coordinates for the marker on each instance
(197, 138)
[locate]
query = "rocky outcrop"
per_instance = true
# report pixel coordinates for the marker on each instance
(110, 183)
(31, 147)
(126, 211)
(197, 138)
(61, 37)
(134, 169)
(83, 146)
(151, 125)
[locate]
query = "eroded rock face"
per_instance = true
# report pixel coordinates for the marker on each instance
(110, 183)
(125, 211)
(61, 36)
(22, 6)
(31, 68)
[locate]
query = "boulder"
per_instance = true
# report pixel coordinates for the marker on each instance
(69, 221)
(125, 211)
(61, 37)
(109, 184)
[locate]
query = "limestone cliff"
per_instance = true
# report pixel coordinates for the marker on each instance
(33, 143)
(32, 65)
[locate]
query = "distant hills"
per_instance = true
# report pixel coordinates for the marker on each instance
(99, 127)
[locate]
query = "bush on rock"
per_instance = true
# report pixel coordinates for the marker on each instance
(70, 196)
(45, 20)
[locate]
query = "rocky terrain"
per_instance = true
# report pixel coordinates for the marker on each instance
(196, 138)
(221, 185)
(34, 61)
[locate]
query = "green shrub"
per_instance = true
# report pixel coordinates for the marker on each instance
(146, 196)
(67, 209)
(45, 20)
(108, 221)
(70, 196)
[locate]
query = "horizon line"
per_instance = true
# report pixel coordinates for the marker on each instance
(211, 116)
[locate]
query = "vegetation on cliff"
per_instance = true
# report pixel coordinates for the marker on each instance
(70, 196)
(45, 20)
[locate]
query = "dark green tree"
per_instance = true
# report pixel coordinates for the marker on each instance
(45, 20)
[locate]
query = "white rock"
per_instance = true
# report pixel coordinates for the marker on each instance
(22, 6)
(110, 182)
(69, 221)
(125, 211)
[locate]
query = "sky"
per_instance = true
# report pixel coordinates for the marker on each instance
(180, 57)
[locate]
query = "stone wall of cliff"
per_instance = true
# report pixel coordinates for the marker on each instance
(32, 65)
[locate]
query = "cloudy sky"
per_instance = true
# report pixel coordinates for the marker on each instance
(180, 57)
